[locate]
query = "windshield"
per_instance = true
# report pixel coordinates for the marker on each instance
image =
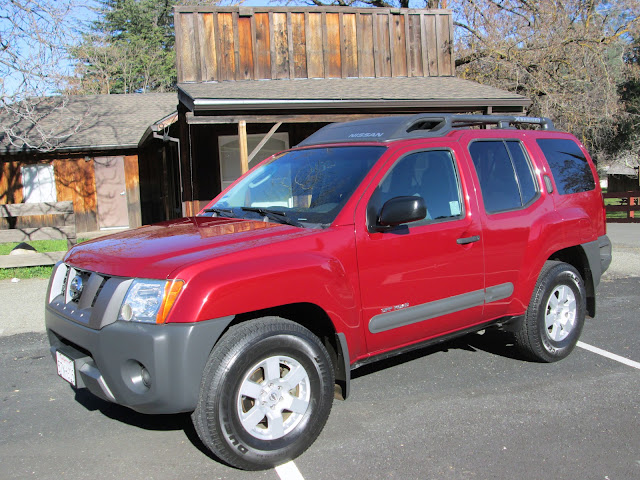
(301, 187)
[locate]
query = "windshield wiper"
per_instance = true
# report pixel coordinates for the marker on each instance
(280, 217)
(227, 212)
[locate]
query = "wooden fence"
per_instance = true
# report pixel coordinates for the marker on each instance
(627, 202)
(63, 210)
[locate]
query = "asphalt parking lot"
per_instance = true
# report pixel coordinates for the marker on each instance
(469, 409)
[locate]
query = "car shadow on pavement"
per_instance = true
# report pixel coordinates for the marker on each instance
(130, 417)
(491, 341)
(169, 422)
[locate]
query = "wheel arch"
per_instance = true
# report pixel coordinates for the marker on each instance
(316, 320)
(577, 257)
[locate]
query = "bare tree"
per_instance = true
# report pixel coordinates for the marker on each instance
(567, 56)
(33, 39)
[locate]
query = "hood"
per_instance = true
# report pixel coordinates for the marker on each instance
(155, 251)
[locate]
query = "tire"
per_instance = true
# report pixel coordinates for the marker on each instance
(555, 316)
(252, 413)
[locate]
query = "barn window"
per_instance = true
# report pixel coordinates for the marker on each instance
(230, 168)
(38, 183)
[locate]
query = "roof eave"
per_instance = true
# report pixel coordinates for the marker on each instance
(158, 126)
(12, 150)
(210, 105)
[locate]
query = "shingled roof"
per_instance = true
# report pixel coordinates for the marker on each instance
(78, 123)
(415, 92)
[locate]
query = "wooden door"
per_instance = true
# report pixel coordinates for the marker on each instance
(112, 192)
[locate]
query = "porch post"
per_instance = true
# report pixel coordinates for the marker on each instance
(242, 141)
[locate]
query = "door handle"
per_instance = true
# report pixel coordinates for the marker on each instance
(466, 240)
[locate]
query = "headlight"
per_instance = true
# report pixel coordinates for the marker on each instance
(149, 300)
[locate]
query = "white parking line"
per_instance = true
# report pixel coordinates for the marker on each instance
(610, 355)
(289, 471)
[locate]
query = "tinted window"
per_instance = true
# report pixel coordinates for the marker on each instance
(307, 186)
(498, 179)
(569, 166)
(431, 175)
(523, 171)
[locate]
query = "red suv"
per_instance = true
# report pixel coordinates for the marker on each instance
(368, 239)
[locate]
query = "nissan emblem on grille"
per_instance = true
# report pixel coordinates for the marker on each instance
(75, 288)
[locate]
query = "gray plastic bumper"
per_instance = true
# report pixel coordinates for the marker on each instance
(148, 368)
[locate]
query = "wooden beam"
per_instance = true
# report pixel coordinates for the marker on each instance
(43, 233)
(26, 209)
(30, 259)
(264, 140)
(242, 141)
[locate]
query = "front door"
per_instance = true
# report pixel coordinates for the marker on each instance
(426, 278)
(112, 192)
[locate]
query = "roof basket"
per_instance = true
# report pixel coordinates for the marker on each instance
(384, 129)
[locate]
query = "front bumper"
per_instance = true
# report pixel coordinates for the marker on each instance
(109, 362)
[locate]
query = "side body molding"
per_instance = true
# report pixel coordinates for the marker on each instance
(419, 313)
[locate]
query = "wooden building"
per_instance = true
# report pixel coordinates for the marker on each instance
(97, 149)
(252, 81)
(622, 178)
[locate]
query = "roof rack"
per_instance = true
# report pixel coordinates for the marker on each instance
(424, 125)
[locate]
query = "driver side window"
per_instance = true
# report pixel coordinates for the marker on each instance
(429, 174)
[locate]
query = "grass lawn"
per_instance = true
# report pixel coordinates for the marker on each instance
(33, 272)
(614, 201)
(26, 272)
(39, 245)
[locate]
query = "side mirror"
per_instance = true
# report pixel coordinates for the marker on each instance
(399, 210)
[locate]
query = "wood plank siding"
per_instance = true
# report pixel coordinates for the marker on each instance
(239, 43)
(75, 182)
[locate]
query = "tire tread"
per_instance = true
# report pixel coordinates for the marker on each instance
(230, 345)
(527, 338)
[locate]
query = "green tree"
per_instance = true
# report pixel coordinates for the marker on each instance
(130, 48)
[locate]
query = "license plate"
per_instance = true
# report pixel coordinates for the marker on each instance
(66, 368)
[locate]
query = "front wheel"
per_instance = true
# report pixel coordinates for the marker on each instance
(556, 314)
(266, 393)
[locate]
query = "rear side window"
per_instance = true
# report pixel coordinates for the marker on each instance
(569, 166)
(505, 175)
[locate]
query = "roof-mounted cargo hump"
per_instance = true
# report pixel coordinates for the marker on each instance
(384, 129)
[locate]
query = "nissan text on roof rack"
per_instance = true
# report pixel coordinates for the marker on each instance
(368, 239)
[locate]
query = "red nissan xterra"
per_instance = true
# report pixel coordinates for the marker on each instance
(368, 239)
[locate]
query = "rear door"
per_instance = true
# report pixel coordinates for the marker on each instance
(514, 213)
(426, 278)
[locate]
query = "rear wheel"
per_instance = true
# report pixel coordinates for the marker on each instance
(266, 393)
(556, 314)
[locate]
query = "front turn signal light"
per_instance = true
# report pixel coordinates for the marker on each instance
(171, 291)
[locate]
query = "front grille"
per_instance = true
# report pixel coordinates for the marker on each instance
(82, 287)
(86, 297)
(80, 278)
(95, 297)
